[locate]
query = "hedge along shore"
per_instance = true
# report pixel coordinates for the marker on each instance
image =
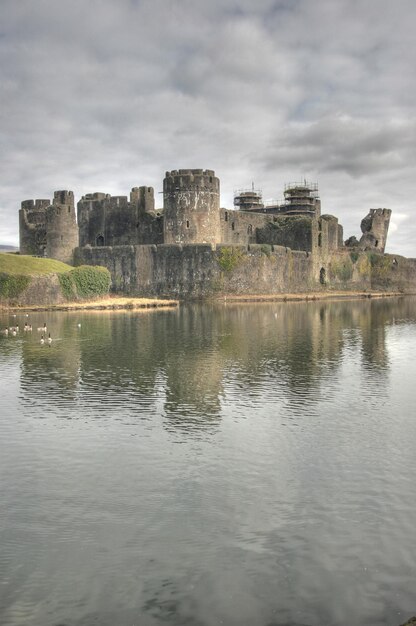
(109, 303)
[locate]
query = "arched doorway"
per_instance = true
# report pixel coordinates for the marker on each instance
(99, 241)
(322, 276)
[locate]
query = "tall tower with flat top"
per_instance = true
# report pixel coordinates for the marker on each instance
(61, 227)
(191, 207)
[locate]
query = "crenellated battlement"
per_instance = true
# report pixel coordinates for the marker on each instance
(386, 213)
(191, 180)
(35, 205)
(63, 197)
(95, 197)
(190, 172)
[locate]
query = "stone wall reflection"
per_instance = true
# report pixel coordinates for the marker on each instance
(179, 364)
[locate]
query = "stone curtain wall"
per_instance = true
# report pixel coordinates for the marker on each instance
(120, 261)
(200, 271)
(293, 232)
(241, 227)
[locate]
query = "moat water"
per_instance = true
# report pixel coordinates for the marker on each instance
(245, 465)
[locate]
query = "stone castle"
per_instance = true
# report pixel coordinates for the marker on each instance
(179, 249)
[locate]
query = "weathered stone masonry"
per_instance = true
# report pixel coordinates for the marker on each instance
(193, 248)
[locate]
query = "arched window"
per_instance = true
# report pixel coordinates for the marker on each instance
(232, 225)
(100, 240)
(322, 276)
(250, 229)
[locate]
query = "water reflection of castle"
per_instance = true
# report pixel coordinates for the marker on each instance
(127, 364)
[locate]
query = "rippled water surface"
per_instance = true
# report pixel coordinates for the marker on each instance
(241, 465)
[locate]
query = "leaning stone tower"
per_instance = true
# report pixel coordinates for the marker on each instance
(191, 207)
(61, 227)
(375, 227)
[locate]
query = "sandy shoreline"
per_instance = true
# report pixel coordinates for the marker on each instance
(314, 296)
(116, 303)
(125, 303)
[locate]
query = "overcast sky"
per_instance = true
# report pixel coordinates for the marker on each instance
(104, 95)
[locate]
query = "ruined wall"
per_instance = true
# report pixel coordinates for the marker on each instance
(295, 233)
(32, 226)
(61, 227)
(199, 271)
(344, 270)
(120, 261)
(41, 290)
(241, 227)
(91, 218)
(334, 232)
(106, 220)
(391, 271)
(191, 207)
(263, 269)
(302, 233)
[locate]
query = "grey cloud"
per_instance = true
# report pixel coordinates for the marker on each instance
(358, 147)
(106, 95)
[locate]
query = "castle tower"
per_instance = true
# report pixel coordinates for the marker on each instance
(32, 227)
(61, 227)
(248, 199)
(375, 227)
(143, 198)
(91, 218)
(301, 199)
(191, 207)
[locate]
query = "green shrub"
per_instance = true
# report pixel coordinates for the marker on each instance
(85, 282)
(12, 285)
(266, 249)
(341, 269)
(67, 286)
(229, 258)
(380, 269)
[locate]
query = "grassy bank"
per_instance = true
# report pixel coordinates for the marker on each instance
(27, 280)
(16, 264)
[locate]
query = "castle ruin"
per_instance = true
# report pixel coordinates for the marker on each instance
(118, 231)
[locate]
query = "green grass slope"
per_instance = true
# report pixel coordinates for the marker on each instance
(16, 264)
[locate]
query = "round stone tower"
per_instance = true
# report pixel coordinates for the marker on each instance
(61, 227)
(191, 207)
